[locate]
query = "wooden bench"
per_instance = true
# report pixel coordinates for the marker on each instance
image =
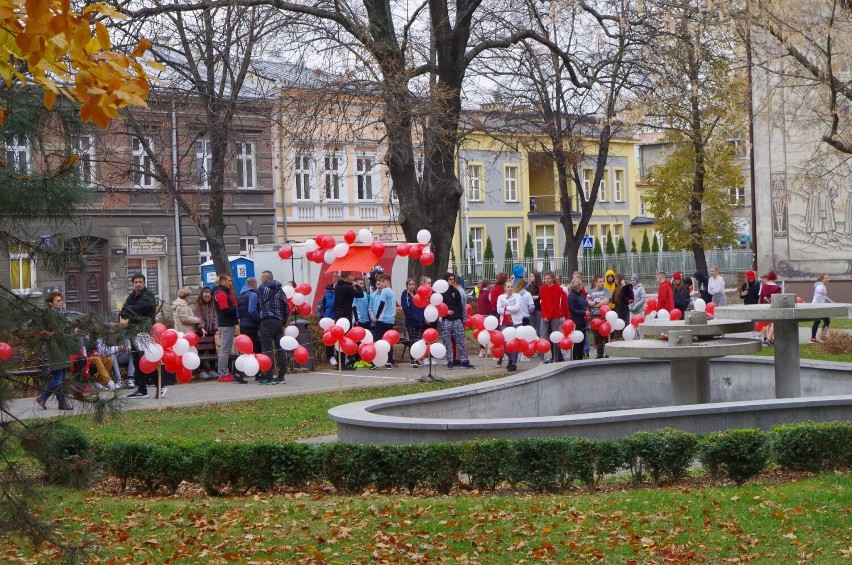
(23, 372)
(206, 347)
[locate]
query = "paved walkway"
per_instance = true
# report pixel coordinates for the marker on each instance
(201, 393)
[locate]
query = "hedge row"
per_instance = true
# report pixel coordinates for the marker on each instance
(543, 465)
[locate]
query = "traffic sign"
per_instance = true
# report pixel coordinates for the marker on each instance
(588, 242)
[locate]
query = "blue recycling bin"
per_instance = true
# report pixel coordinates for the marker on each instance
(242, 268)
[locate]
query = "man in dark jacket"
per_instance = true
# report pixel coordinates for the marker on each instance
(344, 294)
(247, 312)
(453, 323)
(140, 311)
(274, 311)
(225, 303)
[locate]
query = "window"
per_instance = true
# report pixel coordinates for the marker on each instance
(617, 234)
(302, 175)
(364, 176)
(142, 169)
(643, 211)
(204, 254)
(203, 163)
(148, 267)
(604, 233)
(738, 147)
(603, 189)
(331, 176)
(618, 186)
(246, 245)
(474, 183)
(738, 195)
(510, 183)
(245, 165)
(18, 154)
(22, 269)
(476, 243)
(85, 148)
(513, 235)
(588, 176)
(545, 241)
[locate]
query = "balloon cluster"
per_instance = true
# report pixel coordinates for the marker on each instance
(175, 350)
(428, 345)
(298, 298)
(420, 251)
(654, 312)
(325, 249)
(608, 323)
(346, 338)
(567, 337)
(431, 299)
(523, 339)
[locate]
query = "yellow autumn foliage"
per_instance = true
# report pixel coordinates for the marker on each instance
(65, 52)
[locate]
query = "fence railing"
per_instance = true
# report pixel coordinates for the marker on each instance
(731, 262)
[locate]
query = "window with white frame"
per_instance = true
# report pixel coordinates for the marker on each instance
(18, 154)
(617, 234)
(246, 245)
(245, 165)
(510, 183)
(84, 145)
(738, 195)
(142, 169)
(513, 236)
(332, 164)
(545, 240)
(364, 176)
(618, 186)
(474, 183)
(22, 271)
(203, 163)
(204, 254)
(588, 176)
(604, 233)
(643, 210)
(603, 188)
(302, 175)
(476, 239)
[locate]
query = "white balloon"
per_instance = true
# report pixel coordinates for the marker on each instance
(298, 298)
(366, 236)
(430, 313)
(381, 358)
(510, 333)
(311, 246)
(289, 291)
(289, 343)
(240, 362)
(424, 237)
(556, 337)
(368, 337)
(154, 352)
(344, 323)
(438, 350)
(329, 257)
(576, 336)
(491, 323)
(326, 323)
(663, 315)
(618, 324)
(611, 317)
(180, 347)
(418, 349)
(436, 299)
(440, 286)
(341, 249)
(651, 316)
(191, 361)
(181, 334)
(484, 338)
(528, 333)
(293, 331)
(299, 251)
(700, 305)
(383, 346)
(192, 349)
(629, 333)
(251, 366)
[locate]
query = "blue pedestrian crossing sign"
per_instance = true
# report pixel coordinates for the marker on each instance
(588, 242)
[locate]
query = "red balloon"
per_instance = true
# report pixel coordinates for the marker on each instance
(532, 348)
(424, 290)
(596, 323)
(605, 329)
(158, 330)
(191, 338)
(497, 337)
(391, 336)
(304, 309)
(367, 351)
(799, 300)
(469, 309)
(635, 320)
(565, 344)
(652, 303)
(244, 344)
(498, 351)
(171, 361)
(337, 332)
(349, 237)
(430, 335)
(169, 338)
(478, 320)
(511, 346)
(285, 252)
(675, 315)
(348, 346)
(328, 242)
(263, 361)
(147, 366)
(403, 249)
(476, 332)
(5, 351)
(443, 309)
(542, 345)
(356, 333)
(303, 288)
(648, 309)
(605, 310)
(319, 237)
(183, 375)
(427, 259)
(568, 326)
(415, 251)
(378, 248)
(420, 301)
(300, 354)
(710, 308)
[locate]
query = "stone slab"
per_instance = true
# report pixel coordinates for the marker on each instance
(715, 327)
(660, 349)
(766, 313)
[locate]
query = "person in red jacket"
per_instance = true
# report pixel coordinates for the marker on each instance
(554, 310)
(665, 293)
(498, 289)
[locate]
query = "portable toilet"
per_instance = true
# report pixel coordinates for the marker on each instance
(242, 268)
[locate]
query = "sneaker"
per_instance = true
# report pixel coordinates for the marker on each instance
(130, 384)
(467, 365)
(450, 366)
(203, 375)
(415, 365)
(112, 386)
(511, 368)
(333, 362)
(226, 378)
(500, 362)
(815, 340)
(388, 366)
(266, 381)
(372, 367)
(348, 367)
(162, 393)
(548, 361)
(240, 379)
(482, 353)
(41, 402)
(457, 363)
(138, 394)
(99, 386)
(281, 380)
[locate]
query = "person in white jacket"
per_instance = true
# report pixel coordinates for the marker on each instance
(820, 297)
(509, 314)
(716, 287)
(527, 308)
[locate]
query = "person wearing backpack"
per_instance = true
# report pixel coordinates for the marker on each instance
(273, 312)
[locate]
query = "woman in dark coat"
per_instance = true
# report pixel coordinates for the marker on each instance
(578, 309)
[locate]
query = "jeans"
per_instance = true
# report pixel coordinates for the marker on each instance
(227, 335)
(271, 331)
(548, 327)
(54, 386)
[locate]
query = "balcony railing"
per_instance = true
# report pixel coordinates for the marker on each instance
(548, 205)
